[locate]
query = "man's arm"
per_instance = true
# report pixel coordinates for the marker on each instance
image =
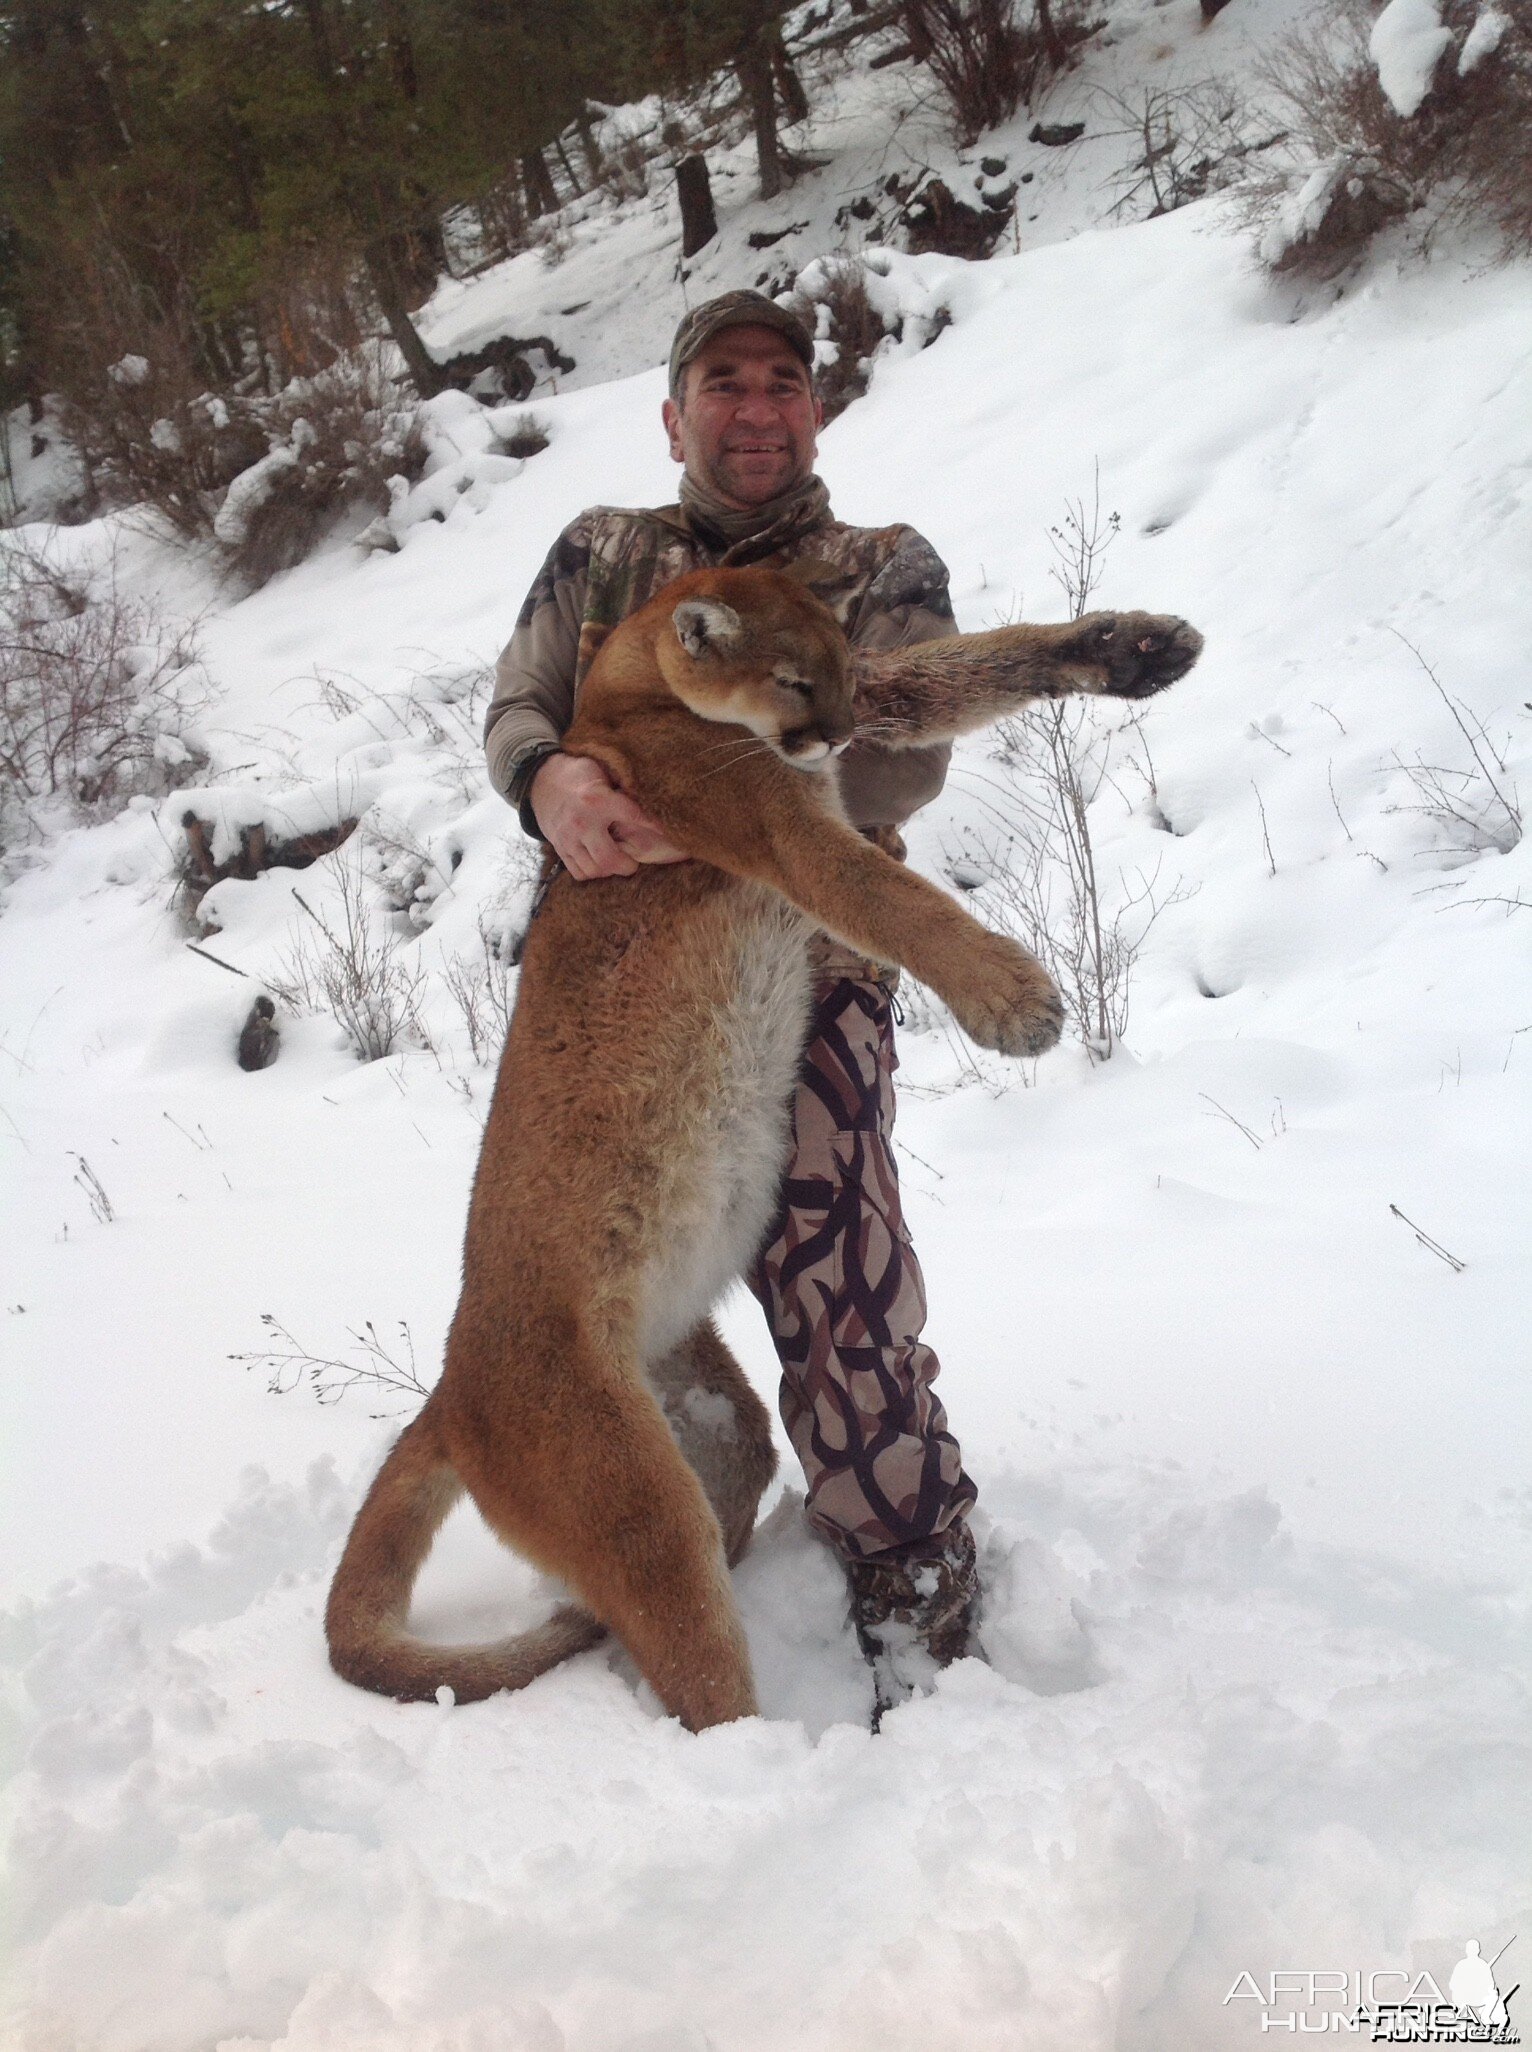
(533, 700)
(905, 604)
(566, 800)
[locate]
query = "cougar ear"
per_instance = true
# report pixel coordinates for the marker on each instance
(707, 627)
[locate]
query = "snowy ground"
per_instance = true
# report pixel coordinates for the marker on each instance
(1255, 1486)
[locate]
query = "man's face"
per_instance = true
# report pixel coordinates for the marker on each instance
(746, 425)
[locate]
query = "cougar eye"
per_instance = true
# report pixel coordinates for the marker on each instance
(796, 684)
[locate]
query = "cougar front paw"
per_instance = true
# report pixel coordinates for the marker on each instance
(1138, 653)
(1008, 1000)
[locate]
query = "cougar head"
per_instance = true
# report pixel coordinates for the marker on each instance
(755, 649)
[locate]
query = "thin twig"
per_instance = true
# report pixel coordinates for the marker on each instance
(1516, 904)
(1261, 734)
(207, 956)
(1330, 780)
(1271, 860)
(100, 1204)
(203, 1146)
(1425, 1239)
(1224, 1113)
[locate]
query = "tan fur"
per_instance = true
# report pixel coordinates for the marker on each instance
(640, 1121)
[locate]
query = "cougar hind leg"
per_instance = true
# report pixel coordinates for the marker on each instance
(603, 1498)
(721, 1426)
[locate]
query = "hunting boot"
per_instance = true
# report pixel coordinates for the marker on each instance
(916, 1610)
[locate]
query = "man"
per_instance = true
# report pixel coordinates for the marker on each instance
(838, 1279)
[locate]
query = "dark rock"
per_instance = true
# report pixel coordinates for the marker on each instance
(260, 1042)
(763, 238)
(993, 166)
(1054, 134)
(936, 220)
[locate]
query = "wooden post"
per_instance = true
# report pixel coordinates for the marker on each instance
(699, 223)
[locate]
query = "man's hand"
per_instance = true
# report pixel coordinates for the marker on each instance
(593, 828)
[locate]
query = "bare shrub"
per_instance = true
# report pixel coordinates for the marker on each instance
(1079, 544)
(480, 987)
(832, 296)
(1475, 803)
(152, 434)
(371, 1365)
(985, 61)
(838, 297)
(625, 169)
(102, 1210)
(527, 437)
(205, 445)
(1463, 157)
(97, 689)
(501, 217)
(1044, 887)
(357, 971)
(1189, 142)
(400, 861)
(132, 369)
(552, 236)
(335, 439)
(309, 308)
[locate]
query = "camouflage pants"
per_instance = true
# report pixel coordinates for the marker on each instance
(842, 1292)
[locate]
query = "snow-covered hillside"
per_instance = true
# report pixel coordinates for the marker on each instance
(1253, 1457)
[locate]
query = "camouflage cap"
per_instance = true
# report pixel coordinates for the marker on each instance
(736, 310)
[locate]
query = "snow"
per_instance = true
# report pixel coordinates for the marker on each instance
(1303, 209)
(1255, 1501)
(1406, 41)
(249, 492)
(1483, 39)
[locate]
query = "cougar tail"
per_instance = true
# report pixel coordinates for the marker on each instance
(365, 1618)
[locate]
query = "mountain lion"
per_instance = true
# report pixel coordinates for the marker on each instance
(640, 1120)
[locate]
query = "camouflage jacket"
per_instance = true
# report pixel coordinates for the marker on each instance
(886, 585)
